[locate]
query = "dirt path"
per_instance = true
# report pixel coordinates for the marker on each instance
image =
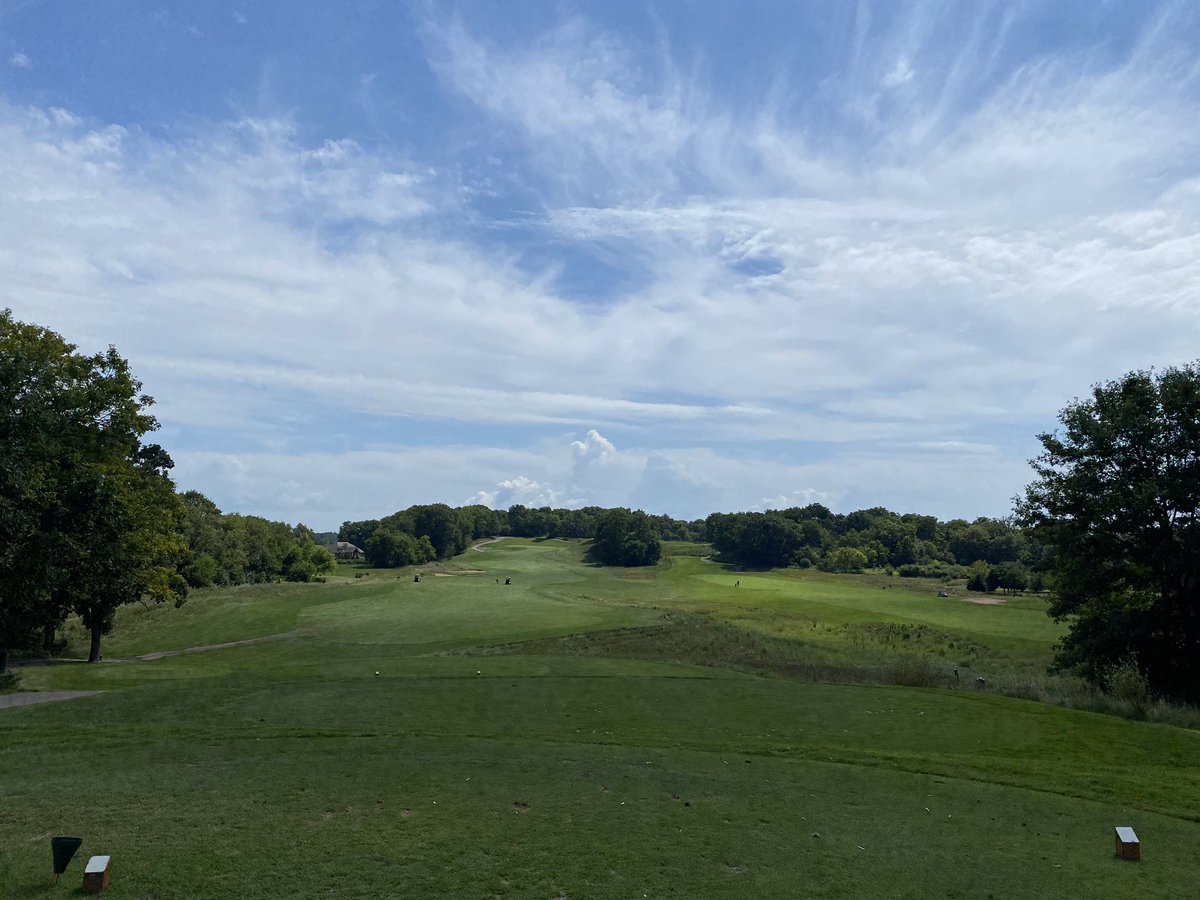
(29, 698)
(494, 540)
(160, 654)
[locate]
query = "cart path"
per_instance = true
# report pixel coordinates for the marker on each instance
(160, 654)
(29, 698)
(157, 654)
(494, 540)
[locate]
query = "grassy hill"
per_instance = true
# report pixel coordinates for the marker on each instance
(583, 733)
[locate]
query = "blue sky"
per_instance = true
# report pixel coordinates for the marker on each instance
(681, 256)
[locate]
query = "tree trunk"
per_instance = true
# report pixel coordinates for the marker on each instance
(3, 659)
(48, 638)
(94, 653)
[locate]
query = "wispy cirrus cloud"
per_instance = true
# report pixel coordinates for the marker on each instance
(873, 280)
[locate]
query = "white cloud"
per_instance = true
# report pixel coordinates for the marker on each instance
(802, 497)
(20, 61)
(324, 489)
(887, 320)
(901, 74)
(523, 491)
(576, 93)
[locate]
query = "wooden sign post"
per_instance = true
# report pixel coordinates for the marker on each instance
(95, 876)
(1128, 845)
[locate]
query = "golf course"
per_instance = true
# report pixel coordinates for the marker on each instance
(681, 730)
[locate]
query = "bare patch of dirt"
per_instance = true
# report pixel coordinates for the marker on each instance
(520, 806)
(406, 813)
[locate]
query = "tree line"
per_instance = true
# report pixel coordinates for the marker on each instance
(89, 517)
(423, 533)
(985, 551)
(227, 548)
(90, 520)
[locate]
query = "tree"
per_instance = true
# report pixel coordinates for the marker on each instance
(1011, 577)
(389, 548)
(306, 559)
(626, 538)
(977, 576)
(41, 380)
(766, 540)
(846, 559)
(127, 524)
(82, 500)
(358, 533)
(1116, 502)
(448, 530)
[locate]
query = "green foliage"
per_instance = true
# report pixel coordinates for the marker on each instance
(782, 537)
(1011, 577)
(87, 513)
(1117, 504)
(358, 533)
(1124, 681)
(977, 576)
(229, 549)
(305, 562)
(936, 569)
(389, 548)
(846, 559)
(202, 571)
(626, 538)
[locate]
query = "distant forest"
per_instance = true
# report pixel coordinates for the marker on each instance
(991, 553)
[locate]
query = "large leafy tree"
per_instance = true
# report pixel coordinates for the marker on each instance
(626, 538)
(1116, 503)
(41, 384)
(127, 523)
(79, 502)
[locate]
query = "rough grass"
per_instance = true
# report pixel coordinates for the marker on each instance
(707, 641)
(655, 735)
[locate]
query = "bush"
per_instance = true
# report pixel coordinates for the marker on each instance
(9, 681)
(1125, 681)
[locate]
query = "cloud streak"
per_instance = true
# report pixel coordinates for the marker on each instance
(872, 283)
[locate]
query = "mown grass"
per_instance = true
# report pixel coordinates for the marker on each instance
(583, 733)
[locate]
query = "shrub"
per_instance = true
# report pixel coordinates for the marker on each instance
(935, 569)
(1125, 681)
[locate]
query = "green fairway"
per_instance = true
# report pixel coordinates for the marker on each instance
(385, 738)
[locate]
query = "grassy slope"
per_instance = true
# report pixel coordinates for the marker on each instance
(289, 767)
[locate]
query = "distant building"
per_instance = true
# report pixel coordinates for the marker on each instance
(346, 550)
